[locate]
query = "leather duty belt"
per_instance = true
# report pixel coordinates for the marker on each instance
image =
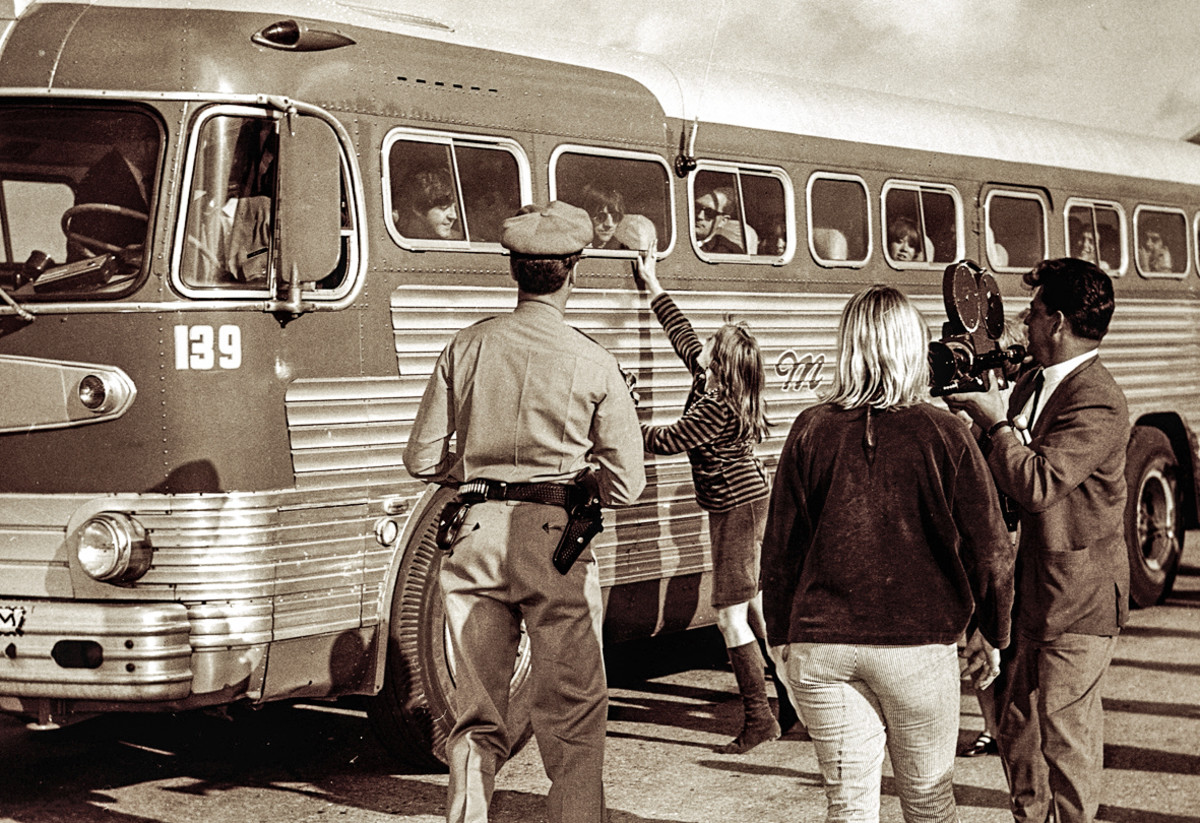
(553, 494)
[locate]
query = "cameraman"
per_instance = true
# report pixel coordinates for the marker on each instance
(1058, 450)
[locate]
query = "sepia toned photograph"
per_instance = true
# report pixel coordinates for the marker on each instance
(599, 413)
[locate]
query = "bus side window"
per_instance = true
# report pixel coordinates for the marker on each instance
(742, 211)
(1016, 230)
(839, 219)
(1094, 234)
(447, 191)
(921, 225)
(611, 185)
(1161, 242)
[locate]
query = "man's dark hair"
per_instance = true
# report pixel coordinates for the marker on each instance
(1080, 290)
(542, 275)
(429, 188)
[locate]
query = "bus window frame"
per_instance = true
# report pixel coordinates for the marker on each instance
(960, 240)
(449, 139)
(812, 250)
(987, 224)
(1122, 219)
(1195, 240)
(351, 183)
(618, 154)
(736, 169)
(154, 111)
(1155, 275)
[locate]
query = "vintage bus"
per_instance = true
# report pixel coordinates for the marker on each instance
(220, 302)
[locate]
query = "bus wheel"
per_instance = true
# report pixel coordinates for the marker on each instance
(1153, 517)
(412, 714)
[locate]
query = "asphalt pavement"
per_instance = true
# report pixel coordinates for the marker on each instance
(673, 700)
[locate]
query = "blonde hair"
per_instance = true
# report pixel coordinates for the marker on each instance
(739, 377)
(883, 345)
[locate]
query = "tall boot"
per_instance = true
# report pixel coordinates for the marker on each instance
(758, 721)
(787, 712)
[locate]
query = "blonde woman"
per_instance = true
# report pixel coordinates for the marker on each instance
(884, 541)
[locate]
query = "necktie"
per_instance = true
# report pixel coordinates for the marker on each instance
(1039, 380)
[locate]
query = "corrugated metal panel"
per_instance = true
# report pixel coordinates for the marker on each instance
(1153, 351)
(347, 432)
(665, 534)
(33, 554)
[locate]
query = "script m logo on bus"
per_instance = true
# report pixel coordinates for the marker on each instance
(800, 372)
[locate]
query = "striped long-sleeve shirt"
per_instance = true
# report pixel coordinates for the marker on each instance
(724, 469)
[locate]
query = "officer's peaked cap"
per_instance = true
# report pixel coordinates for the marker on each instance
(552, 230)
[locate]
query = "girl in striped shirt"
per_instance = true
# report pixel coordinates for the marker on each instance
(723, 419)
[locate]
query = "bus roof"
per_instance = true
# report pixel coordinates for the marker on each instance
(798, 105)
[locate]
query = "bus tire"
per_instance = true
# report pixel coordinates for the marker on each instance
(412, 714)
(1153, 516)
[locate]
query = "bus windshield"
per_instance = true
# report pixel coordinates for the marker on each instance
(76, 185)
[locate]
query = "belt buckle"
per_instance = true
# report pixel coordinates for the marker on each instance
(479, 489)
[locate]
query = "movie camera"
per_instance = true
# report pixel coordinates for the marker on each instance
(969, 349)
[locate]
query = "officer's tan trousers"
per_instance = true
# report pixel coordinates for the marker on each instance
(499, 572)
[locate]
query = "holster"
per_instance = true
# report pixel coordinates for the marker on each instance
(584, 521)
(451, 519)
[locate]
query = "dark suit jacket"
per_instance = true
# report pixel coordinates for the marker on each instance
(1069, 483)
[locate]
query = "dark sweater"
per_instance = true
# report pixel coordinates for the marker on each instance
(725, 471)
(895, 551)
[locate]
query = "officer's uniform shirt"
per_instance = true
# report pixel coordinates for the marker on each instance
(531, 400)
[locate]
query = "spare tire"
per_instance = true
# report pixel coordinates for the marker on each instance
(412, 715)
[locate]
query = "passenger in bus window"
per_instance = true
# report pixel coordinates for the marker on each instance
(1083, 246)
(884, 544)
(1153, 254)
(904, 241)
(723, 419)
(773, 240)
(714, 224)
(606, 207)
(427, 207)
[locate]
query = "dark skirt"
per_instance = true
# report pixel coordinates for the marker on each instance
(736, 539)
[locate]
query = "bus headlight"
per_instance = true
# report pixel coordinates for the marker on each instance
(113, 548)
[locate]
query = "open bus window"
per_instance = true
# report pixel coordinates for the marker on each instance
(921, 224)
(446, 191)
(609, 186)
(76, 187)
(1095, 232)
(839, 215)
(229, 234)
(742, 211)
(1161, 242)
(1016, 231)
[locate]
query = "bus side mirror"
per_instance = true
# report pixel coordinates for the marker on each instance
(310, 205)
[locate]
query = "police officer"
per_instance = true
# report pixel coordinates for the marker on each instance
(532, 403)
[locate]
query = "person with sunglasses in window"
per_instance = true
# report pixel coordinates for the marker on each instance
(606, 206)
(713, 210)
